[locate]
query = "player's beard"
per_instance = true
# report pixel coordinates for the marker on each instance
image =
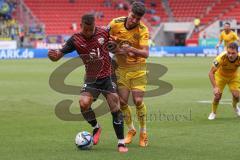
(132, 24)
(232, 59)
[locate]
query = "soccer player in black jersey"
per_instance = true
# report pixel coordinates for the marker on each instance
(91, 45)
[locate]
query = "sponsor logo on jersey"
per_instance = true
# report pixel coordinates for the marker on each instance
(215, 63)
(101, 41)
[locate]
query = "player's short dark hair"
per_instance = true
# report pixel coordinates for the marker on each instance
(227, 23)
(233, 45)
(138, 8)
(88, 19)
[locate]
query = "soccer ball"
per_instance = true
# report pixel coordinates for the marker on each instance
(84, 140)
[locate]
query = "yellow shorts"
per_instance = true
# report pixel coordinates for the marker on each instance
(232, 82)
(132, 78)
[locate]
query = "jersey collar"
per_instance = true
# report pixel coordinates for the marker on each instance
(125, 26)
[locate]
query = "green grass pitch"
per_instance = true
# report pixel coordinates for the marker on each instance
(30, 130)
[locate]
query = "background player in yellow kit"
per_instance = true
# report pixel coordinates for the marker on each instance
(225, 72)
(132, 37)
(227, 36)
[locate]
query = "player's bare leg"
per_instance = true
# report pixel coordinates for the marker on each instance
(235, 100)
(217, 98)
(118, 125)
(124, 95)
(141, 110)
(85, 102)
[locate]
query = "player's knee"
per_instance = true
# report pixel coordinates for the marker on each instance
(235, 95)
(115, 98)
(138, 101)
(123, 102)
(217, 98)
(84, 104)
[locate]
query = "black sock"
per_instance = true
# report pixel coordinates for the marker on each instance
(89, 116)
(118, 124)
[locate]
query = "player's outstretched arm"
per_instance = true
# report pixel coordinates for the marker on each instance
(68, 47)
(54, 55)
(211, 75)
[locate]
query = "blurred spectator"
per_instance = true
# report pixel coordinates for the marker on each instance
(196, 24)
(151, 42)
(155, 18)
(74, 26)
(151, 11)
(1, 3)
(153, 4)
(204, 39)
(125, 6)
(119, 6)
(71, 1)
(99, 14)
(107, 3)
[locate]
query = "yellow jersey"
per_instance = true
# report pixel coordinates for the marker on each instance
(135, 37)
(225, 67)
(228, 38)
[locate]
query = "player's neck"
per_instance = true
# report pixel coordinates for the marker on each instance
(232, 60)
(227, 32)
(127, 26)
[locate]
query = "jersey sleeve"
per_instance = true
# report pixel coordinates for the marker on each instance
(221, 36)
(68, 46)
(217, 61)
(235, 36)
(144, 37)
(110, 27)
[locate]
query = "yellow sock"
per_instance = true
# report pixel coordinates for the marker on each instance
(234, 102)
(127, 115)
(214, 107)
(142, 116)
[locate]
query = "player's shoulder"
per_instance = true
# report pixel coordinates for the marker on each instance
(76, 35)
(143, 27)
(119, 20)
(102, 29)
(222, 56)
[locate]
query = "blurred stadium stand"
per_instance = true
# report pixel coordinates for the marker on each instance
(37, 19)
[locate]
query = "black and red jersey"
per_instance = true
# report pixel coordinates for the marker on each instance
(93, 52)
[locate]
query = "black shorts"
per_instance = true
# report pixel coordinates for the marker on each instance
(103, 85)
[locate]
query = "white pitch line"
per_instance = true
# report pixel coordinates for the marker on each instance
(223, 101)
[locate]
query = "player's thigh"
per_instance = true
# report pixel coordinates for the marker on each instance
(234, 86)
(113, 101)
(139, 82)
(123, 93)
(221, 82)
(122, 80)
(137, 95)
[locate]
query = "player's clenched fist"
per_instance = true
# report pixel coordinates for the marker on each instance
(54, 55)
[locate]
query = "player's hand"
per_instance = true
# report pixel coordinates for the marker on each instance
(54, 55)
(128, 49)
(112, 46)
(216, 91)
(113, 38)
(131, 54)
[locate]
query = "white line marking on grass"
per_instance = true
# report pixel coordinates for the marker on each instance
(223, 101)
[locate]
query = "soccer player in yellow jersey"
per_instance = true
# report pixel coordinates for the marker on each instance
(132, 37)
(224, 71)
(228, 36)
